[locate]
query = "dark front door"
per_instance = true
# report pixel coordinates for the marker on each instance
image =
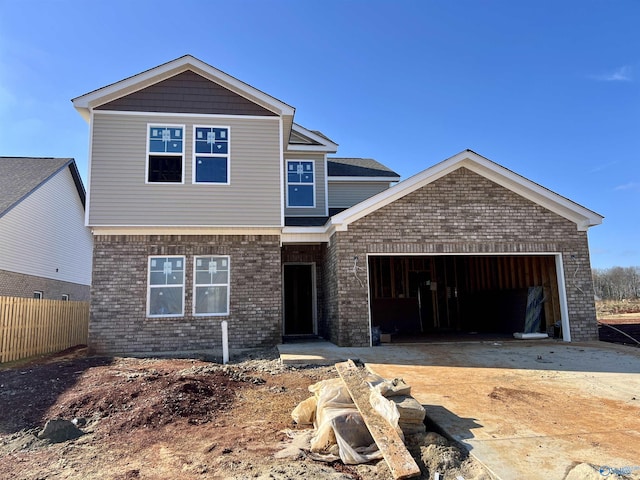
(298, 299)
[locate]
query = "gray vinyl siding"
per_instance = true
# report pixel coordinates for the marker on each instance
(320, 185)
(119, 195)
(347, 194)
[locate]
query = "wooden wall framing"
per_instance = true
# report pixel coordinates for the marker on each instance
(396, 278)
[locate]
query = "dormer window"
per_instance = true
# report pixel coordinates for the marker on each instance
(210, 154)
(165, 154)
(300, 184)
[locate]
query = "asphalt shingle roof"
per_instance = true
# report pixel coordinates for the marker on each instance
(358, 167)
(19, 176)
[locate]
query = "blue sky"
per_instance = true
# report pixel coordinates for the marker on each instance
(549, 89)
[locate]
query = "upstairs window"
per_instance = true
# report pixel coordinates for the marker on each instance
(165, 289)
(165, 153)
(210, 154)
(300, 184)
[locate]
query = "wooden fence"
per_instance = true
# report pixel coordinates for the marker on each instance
(30, 326)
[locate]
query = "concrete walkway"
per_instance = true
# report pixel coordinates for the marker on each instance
(525, 409)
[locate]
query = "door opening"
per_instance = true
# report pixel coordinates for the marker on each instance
(299, 299)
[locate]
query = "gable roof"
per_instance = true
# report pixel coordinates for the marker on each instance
(21, 176)
(95, 98)
(304, 140)
(581, 216)
(359, 167)
(186, 92)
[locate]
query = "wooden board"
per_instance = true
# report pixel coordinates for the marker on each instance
(400, 461)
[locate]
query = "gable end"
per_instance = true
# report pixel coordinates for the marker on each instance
(187, 92)
(581, 216)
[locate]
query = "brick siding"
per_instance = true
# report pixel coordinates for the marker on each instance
(118, 311)
(460, 213)
(14, 284)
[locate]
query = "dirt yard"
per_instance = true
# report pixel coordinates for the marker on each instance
(170, 419)
(624, 316)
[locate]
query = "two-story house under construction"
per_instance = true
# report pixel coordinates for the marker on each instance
(207, 202)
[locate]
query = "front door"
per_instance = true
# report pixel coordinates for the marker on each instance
(299, 299)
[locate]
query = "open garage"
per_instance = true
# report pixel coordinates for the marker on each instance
(464, 247)
(434, 295)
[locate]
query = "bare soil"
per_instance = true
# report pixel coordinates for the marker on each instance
(177, 418)
(624, 316)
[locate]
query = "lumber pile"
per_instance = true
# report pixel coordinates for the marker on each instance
(411, 414)
(360, 417)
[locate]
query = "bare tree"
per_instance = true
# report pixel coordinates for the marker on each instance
(617, 283)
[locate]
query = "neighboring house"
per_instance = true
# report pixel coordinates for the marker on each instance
(45, 247)
(209, 203)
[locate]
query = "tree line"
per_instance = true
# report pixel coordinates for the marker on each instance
(617, 283)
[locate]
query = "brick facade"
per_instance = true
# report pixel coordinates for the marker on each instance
(462, 212)
(14, 284)
(118, 312)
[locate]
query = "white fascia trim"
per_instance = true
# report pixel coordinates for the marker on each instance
(188, 115)
(581, 216)
(154, 75)
(295, 147)
(187, 230)
(326, 144)
(364, 179)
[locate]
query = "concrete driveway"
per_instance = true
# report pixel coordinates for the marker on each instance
(526, 410)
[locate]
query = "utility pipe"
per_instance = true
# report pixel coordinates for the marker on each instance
(225, 342)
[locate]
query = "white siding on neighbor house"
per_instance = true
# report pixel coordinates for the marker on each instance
(45, 232)
(120, 196)
(347, 194)
(320, 185)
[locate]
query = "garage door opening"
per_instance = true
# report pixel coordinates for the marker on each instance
(433, 296)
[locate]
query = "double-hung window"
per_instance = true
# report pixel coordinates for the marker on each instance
(300, 184)
(165, 153)
(211, 285)
(211, 154)
(165, 295)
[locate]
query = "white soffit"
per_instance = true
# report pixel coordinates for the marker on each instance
(326, 145)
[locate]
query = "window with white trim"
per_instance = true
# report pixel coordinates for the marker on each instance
(37, 295)
(65, 297)
(165, 153)
(211, 285)
(211, 154)
(300, 184)
(165, 295)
